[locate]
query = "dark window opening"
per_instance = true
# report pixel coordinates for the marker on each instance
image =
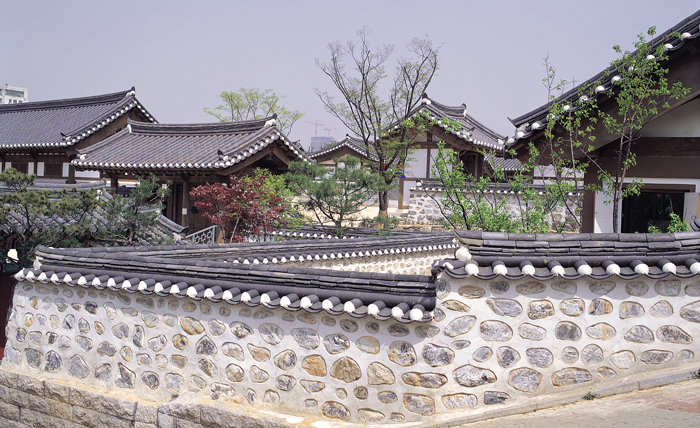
(651, 208)
(21, 167)
(53, 169)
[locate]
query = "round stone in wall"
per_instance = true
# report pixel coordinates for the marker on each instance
(150, 379)
(419, 403)
(271, 333)
(471, 292)
(673, 334)
(180, 342)
(524, 379)
(686, 355)
(661, 309)
(174, 381)
(532, 287)
(639, 334)
(539, 357)
(271, 397)
(21, 335)
(499, 287)
(53, 362)
(623, 360)
(387, 397)
(99, 328)
(427, 331)
(424, 380)
(306, 338)
(189, 307)
(455, 305)
(569, 355)
(84, 343)
(368, 344)
(471, 376)
(693, 289)
(191, 325)
(208, 367)
(601, 331)
(402, 353)
(443, 288)
(306, 318)
(567, 287)
(494, 330)
(602, 287)
(262, 314)
(361, 393)
(437, 356)
(379, 374)
(217, 328)
(34, 357)
(198, 382)
(482, 354)
(460, 344)
(103, 373)
(173, 304)
(372, 327)
(539, 309)
(314, 365)
(328, 320)
(668, 287)
(170, 319)
(285, 360)
(336, 343)
(460, 325)
(349, 326)
(83, 326)
(312, 386)
(369, 416)
(179, 361)
(68, 322)
(531, 332)
(139, 338)
(438, 314)
(259, 353)
(335, 410)
(459, 401)
(600, 307)
(77, 367)
(571, 376)
(126, 353)
(505, 307)
(233, 350)
(240, 330)
(566, 330)
(397, 330)
(691, 312)
(631, 310)
(285, 382)
(606, 372)
(156, 344)
(495, 397)
(129, 312)
(507, 356)
(591, 354)
(636, 288)
(396, 417)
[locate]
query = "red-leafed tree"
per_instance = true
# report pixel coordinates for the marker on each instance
(245, 209)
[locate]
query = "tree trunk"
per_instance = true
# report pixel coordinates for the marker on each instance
(383, 203)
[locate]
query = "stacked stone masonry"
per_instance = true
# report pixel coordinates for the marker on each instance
(489, 343)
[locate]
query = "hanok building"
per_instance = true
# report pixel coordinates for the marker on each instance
(348, 146)
(667, 152)
(189, 155)
(470, 141)
(43, 137)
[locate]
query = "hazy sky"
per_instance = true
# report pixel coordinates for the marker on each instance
(179, 55)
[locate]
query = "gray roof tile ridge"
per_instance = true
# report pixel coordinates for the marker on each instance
(245, 126)
(66, 102)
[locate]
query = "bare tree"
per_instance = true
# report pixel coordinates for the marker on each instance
(385, 125)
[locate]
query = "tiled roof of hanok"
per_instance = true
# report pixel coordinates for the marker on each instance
(531, 122)
(166, 226)
(328, 232)
(255, 274)
(353, 143)
(198, 147)
(62, 123)
(471, 131)
(508, 165)
(488, 255)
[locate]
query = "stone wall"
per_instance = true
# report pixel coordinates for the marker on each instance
(423, 209)
(490, 343)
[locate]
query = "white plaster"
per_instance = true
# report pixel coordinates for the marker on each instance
(683, 121)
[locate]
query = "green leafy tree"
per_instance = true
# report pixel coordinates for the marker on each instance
(42, 217)
(384, 124)
(333, 194)
(134, 218)
(640, 93)
(253, 103)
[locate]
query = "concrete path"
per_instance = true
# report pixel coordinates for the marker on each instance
(676, 405)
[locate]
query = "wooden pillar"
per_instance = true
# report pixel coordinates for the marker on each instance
(113, 183)
(71, 172)
(588, 210)
(187, 216)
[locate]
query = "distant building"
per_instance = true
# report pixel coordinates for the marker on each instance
(317, 143)
(13, 95)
